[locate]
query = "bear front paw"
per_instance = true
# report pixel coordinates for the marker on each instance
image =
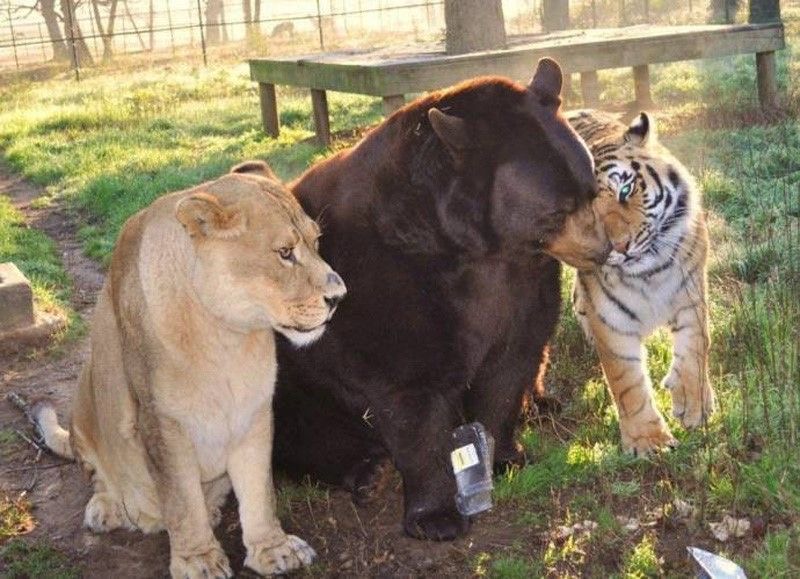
(440, 525)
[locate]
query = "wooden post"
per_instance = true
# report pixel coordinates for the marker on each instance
(766, 11)
(392, 102)
(641, 85)
(590, 88)
(319, 102)
(269, 109)
(767, 80)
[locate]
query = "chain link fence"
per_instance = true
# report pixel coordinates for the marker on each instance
(82, 33)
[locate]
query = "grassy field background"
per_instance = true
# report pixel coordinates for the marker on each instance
(109, 145)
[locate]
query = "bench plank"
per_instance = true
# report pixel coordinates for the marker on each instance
(380, 74)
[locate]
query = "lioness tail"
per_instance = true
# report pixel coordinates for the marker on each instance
(55, 436)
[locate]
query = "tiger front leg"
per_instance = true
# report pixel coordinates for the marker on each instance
(687, 380)
(642, 427)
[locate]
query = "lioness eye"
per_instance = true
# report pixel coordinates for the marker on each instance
(286, 253)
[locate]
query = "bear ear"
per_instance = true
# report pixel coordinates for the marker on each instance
(641, 131)
(202, 216)
(546, 82)
(255, 167)
(452, 131)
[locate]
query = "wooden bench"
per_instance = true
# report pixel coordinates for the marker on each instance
(392, 75)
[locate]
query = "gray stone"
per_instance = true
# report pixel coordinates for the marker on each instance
(16, 298)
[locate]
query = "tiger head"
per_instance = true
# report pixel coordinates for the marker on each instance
(643, 194)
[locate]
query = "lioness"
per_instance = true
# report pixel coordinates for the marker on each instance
(175, 402)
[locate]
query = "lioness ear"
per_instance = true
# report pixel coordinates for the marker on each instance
(452, 131)
(202, 215)
(546, 82)
(641, 131)
(255, 167)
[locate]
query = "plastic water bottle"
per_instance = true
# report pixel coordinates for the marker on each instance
(472, 458)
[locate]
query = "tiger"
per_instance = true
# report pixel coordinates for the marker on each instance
(655, 275)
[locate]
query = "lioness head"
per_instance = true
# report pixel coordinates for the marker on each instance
(257, 264)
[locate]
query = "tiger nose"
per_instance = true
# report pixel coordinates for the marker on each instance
(621, 245)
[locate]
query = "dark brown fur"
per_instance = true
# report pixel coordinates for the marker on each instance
(451, 300)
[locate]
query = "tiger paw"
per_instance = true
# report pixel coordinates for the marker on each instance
(269, 558)
(692, 403)
(645, 438)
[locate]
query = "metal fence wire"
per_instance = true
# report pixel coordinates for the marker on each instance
(81, 33)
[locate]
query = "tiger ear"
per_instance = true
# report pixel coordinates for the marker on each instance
(641, 131)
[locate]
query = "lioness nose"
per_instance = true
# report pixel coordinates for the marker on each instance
(334, 279)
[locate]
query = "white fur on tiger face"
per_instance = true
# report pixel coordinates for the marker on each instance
(655, 276)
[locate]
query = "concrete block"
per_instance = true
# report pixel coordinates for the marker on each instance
(16, 299)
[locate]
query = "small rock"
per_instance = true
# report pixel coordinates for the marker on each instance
(729, 527)
(628, 524)
(684, 509)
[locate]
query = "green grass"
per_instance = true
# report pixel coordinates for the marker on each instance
(111, 144)
(25, 560)
(642, 561)
(112, 148)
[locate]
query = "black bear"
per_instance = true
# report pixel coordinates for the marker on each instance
(443, 222)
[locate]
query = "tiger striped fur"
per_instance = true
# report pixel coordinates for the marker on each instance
(655, 276)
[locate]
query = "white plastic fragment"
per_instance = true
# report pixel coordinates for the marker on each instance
(711, 566)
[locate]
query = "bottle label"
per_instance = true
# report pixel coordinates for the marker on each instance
(464, 457)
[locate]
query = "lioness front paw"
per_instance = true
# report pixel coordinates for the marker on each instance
(212, 564)
(642, 439)
(272, 559)
(102, 513)
(692, 403)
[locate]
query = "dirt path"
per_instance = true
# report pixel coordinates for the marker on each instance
(351, 541)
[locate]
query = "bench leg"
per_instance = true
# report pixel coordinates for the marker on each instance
(641, 86)
(269, 108)
(590, 89)
(767, 80)
(319, 101)
(392, 102)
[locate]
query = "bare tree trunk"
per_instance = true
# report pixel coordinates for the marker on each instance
(555, 15)
(48, 8)
(224, 24)
(150, 19)
(474, 25)
(723, 11)
(74, 37)
(252, 15)
(213, 20)
(248, 16)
